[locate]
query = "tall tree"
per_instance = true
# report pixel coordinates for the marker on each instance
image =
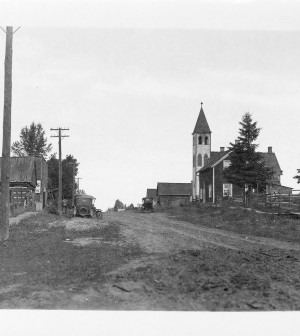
(67, 175)
(247, 169)
(32, 142)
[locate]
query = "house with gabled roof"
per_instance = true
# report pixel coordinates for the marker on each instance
(173, 193)
(209, 183)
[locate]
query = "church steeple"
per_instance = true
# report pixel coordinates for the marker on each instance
(201, 149)
(201, 124)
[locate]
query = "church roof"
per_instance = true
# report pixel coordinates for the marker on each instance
(201, 124)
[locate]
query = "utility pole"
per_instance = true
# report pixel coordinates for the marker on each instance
(5, 164)
(59, 136)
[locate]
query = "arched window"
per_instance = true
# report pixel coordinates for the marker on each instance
(200, 140)
(199, 159)
(205, 159)
(206, 140)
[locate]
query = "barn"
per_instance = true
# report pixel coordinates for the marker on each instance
(173, 193)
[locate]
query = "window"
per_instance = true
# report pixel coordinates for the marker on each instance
(206, 140)
(227, 189)
(205, 159)
(201, 193)
(194, 160)
(199, 160)
(226, 163)
(200, 140)
(210, 191)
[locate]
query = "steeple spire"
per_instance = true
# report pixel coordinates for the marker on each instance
(201, 124)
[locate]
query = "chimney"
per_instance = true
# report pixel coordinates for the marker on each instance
(222, 149)
(269, 149)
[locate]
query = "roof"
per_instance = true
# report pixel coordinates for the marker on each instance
(214, 159)
(39, 161)
(201, 124)
(269, 159)
(174, 189)
(151, 193)
(22, 169)
(83, 196)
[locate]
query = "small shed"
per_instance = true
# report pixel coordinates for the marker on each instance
(173, 193)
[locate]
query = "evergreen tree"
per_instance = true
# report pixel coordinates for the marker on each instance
(247, 168)
(119, 205)
(67, 175)
(32, 142)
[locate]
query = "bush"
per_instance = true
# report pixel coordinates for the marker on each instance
(52, 209)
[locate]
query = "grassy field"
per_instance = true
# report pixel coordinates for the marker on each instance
(241, 220)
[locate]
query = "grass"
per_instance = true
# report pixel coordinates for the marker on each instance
(240, 220)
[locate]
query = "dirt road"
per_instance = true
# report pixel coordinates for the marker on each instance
(144, 261)
(189, 267)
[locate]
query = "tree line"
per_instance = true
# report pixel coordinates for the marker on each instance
(33, 142)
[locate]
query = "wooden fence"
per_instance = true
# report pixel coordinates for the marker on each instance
(285, 202)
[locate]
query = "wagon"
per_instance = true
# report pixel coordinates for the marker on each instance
(84, 207)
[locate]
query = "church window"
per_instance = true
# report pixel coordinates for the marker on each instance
(206, 140)
(205, 159)
(200, 140)
(199, 160)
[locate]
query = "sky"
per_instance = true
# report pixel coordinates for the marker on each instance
(127, 79)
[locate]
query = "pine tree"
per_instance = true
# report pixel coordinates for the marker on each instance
(247, 168)
(32, 142)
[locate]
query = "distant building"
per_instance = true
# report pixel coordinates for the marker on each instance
(209, 184)
(152, 193)
(173, 193)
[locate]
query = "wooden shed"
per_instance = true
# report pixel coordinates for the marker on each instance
(23, 180)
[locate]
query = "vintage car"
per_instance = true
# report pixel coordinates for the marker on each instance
(84, 206)
(147, 204)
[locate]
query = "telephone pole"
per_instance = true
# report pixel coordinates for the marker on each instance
(5, 164)
(59, 136)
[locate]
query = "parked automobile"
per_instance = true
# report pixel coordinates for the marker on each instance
(84, 206)
(147, 204)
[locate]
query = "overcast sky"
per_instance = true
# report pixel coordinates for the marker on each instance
(127, 79)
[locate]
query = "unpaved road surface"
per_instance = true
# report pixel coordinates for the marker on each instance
(145, 261)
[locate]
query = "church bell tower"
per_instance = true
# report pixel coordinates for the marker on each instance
(201, 149)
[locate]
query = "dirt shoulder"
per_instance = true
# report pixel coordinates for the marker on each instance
(133, 261)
